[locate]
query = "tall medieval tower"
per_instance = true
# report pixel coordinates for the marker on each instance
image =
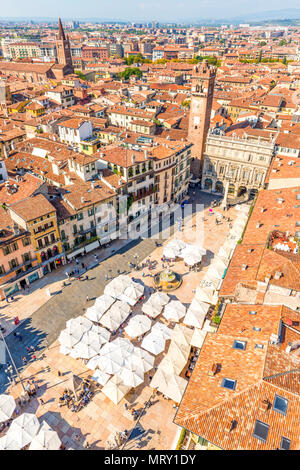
(203, 81)
(64, 51)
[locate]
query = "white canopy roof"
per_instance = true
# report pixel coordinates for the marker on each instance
(160, 298)
(132, 376)
(171, 366)
(192, 258)
(174, 311)
(117, 286)
(170, 252)
(100, 376)
(132, 293)
(193, 249)
(175, 389)
(182, 334)
(78, 326)
(115, 389)
(7, 407)
(196, 313)
(153, 343)
(138, 325)
(198, 338)
(23, 429)
(160, 328)
(152, 310)
(101, 305)
(141, 359)
(7, 442)
(177, 244)
(46, 439)
(116, 315)
(206, 294)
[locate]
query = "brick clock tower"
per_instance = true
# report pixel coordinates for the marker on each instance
(64, 58)
(203, 81)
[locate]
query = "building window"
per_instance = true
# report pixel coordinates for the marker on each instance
(280, 404)
(228, 383)
(80, 216)
(285, 443)
(239, 345)
(261, 430)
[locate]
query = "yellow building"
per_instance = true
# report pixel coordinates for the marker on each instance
(17, 107)
(35, 109)
(90, 145)
(38, 216)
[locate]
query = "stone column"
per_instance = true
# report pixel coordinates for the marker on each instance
(224, 201)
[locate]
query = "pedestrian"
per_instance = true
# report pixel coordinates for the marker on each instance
(7, 299)
(126, 406)
(87, 445)
(82, 265)
(106, 277)
(24, 360)
(42, 401)
(59, 373)
(77, 437)
(77, 262)
(87, 298)
(32, 348)
(34, 357)
(28, 349)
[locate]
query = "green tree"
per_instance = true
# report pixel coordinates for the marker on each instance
(126, 74)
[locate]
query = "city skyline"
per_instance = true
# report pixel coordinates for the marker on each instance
(136, 10)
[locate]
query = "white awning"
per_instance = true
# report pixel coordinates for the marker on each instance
(92, 246)
(75, 253)
(104, 240)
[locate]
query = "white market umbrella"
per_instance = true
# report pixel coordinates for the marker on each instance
(196, 314)
(153, 343)
(116, 315)
(206, 294)
(7, 407)
(192, 258)
(151, 309)
(102, 335)
(170, 252)
(182, 335)
(178, 352)
(192, 249)
(177, 244)
(174, 311)
(103, 303)
(175, 388)
(160, 379)
(113, 355)
(87, 350)
(65, 351)
(132, 293)
(68, 340)
(93, 314)
(132, 377)
(100, 377)
(46, 439)
(115, 389)
(24, 428)
(161, 329)
(160, 298)
(141, 359)
(198, 338)
(138, 325)
(117, 286)
(7, 442)
(172, 366)
(93, 362)
(78, 326)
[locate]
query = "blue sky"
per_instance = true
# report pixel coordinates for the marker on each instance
(161, 10)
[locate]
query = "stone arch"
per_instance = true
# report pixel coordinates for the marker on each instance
(208, 184)
(219, 187)
(252, 193)
(242, 190)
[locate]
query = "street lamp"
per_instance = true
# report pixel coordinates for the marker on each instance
(12, 361)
